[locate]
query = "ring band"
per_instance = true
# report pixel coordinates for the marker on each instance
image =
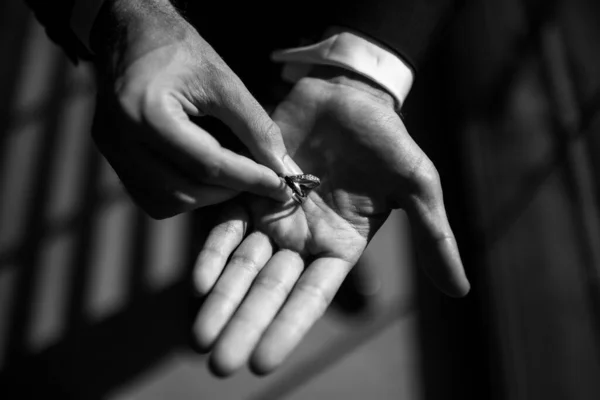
(301, 185)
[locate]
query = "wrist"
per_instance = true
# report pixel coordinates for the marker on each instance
(341, 76)
(125, 29)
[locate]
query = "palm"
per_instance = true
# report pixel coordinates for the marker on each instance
(268, 286)
(358, 165)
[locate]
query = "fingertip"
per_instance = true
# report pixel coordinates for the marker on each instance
(217, 370)
(260, 369)
(203, 277)
(291, 168)
(263, 362)
(445, 268)
(452, 288)
(282, 193)
(196, 344)
(464, 286)
(269, 184)
(457, 289)
(203, 331)
(223, 364)
(457, 283)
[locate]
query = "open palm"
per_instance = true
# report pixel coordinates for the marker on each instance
(271, 269)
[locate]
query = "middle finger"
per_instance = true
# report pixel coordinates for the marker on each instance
(268, 293)
(229, 291)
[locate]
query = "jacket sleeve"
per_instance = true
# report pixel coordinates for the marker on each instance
(55, 16)
(408, 27)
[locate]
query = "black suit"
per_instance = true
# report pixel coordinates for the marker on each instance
(407, 27)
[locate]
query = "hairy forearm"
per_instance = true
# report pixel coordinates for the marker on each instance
(126, 29)
(121, 22)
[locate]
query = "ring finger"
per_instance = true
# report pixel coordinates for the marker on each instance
(268, 293)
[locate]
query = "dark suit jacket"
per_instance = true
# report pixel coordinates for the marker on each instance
(408, 27)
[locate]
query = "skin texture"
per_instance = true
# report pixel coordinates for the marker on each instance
(156, 72)
(270, 267)
(269, 270)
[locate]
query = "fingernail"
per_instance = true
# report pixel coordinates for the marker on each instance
(285, 193)
(291, 167)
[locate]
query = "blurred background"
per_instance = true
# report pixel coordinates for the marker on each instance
(94, 296)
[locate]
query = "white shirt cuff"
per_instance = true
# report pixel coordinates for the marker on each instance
(354, 52)
(83, 15)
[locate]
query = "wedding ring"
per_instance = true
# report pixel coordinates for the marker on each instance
(301, 185)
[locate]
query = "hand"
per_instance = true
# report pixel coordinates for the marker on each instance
(271, 269)
(156, 72)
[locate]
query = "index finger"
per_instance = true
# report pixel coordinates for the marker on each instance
(308, 301)
(197, 152)
(248, 120)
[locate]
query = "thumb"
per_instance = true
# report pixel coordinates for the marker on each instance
(437, 250)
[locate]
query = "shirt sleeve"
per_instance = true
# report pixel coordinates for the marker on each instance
(408, 27)
(352, 51)
(55, 17)
(82, 19)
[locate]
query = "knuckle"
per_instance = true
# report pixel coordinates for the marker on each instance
(211, 170)
(216, 70)
(223, 83)
(228, 83)
(245, 262)
(139, 103)
(272, 285)
(270, 132)
(223, 296)
(426, 177)
(211, 252)
(319, 299)
(230, 228)
(130, 100)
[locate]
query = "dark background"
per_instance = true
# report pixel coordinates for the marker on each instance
(94, 296)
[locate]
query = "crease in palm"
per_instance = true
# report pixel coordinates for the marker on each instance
(339, 217)
(284, 262)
